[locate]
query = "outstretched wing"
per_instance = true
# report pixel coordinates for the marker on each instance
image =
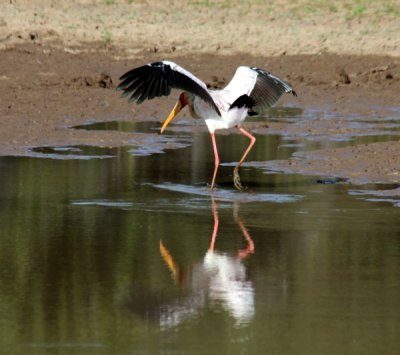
(157, 79)
(262, 86)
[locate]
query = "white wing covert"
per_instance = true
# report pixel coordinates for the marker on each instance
(262, 86)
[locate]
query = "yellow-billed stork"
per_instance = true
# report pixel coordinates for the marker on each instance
(250, 92)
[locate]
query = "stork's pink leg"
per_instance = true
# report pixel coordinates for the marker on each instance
(216, 160)
(236, 177)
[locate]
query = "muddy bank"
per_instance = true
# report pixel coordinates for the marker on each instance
(360, 164)
(45, 91)
(60, 64)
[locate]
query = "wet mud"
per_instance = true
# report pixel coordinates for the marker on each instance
(46, 93)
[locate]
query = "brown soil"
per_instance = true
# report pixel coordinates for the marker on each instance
(60, 65)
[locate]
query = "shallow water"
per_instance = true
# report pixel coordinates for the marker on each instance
(131, 254)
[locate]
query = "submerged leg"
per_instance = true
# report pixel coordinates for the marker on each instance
(236, 177)
(216, 160)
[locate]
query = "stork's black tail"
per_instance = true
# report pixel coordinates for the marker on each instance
(243, 101)
(247, 102)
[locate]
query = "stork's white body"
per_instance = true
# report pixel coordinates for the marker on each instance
(229, 117)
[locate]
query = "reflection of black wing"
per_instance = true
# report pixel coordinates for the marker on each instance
(157, 79)
(268, 88)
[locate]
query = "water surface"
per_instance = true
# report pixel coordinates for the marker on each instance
(131, 254)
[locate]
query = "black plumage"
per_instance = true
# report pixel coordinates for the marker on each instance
(243, 101)
(156, 80)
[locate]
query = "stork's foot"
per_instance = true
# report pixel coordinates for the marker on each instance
(236, 179)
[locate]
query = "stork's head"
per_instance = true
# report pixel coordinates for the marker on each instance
(180, 104)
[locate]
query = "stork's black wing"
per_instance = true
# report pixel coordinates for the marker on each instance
(157, 79)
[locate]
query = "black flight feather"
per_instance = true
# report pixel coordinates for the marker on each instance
(156, 80)
(269, 88)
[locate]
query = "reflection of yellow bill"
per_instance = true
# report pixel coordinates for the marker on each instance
(167, 257)
(174, 112)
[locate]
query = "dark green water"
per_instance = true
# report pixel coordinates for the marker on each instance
(297, 267)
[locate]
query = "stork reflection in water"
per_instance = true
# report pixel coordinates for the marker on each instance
(219, 278)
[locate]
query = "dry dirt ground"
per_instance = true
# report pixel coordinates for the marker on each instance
(60, 62)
